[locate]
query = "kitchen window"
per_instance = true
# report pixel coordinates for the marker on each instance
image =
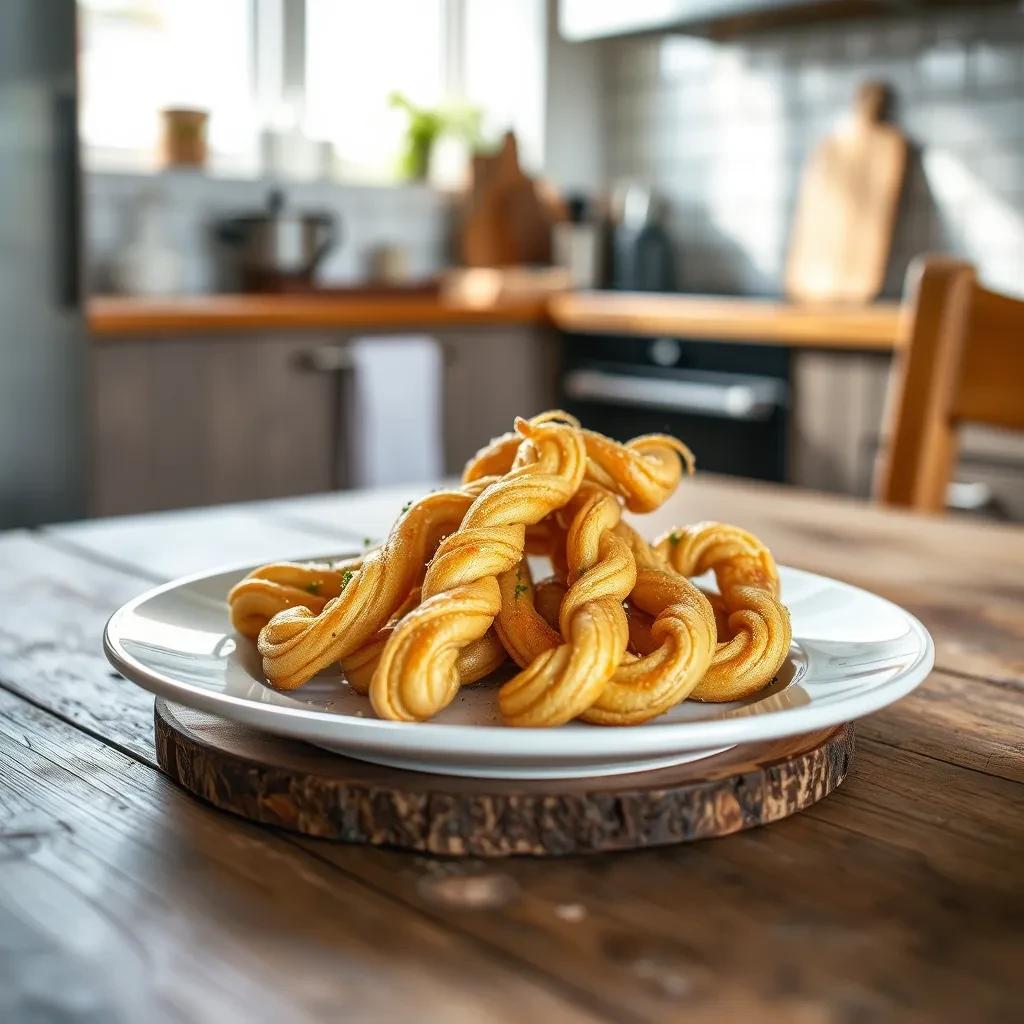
(325, 69)
(357, 55)
(137, 57)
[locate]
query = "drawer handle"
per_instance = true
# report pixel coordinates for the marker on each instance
(326, 359)
(740, 401)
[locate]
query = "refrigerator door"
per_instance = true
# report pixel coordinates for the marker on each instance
(43, 341)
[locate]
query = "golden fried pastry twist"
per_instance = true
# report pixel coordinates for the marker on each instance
(548, 538)
(757, 644)
(494, 459)
(524, 633)
(681, 642)
(477, 660)
(647, 556)
(644, 471)
(671, 624)
(640, 623)
(297, 643)
(498, 456)
(410, 632)
(417, 674)
(254, 601)
(560, 683)
(548, 595)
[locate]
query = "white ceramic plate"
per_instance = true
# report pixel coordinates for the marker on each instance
(852, 654)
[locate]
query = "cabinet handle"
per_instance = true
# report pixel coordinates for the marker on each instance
(326, 359)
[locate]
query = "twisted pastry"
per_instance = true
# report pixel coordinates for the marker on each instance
(649, 557)
(411, 632)
(477, 660)
(671, 623)
(646, 555)
(417, 673)
(494, 459)
(644, 471)
(759, 631)
(255, 600)
(548, 538)
(561, 682)
(297, 642)
(523, 631)
(640, 624)
(547, 599)
(270, 589)
(682, 642)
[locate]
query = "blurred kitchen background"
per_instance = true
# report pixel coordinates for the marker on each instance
(255, 248)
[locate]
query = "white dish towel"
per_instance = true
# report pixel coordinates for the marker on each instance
(395, 427)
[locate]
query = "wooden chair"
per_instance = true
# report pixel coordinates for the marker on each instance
(963, 362)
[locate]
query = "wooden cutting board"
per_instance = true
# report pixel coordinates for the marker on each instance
(509, 215)
(842, 233)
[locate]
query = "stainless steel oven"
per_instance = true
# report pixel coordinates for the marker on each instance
(729, 402)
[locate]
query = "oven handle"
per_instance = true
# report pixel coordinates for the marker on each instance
(740, 401)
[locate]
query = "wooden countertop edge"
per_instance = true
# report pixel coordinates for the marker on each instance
(722, 318)
(876, 327)
(122, 318)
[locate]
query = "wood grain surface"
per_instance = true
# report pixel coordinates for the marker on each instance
(300, 788)
(875, 327)
(118, 317)
(723, 318)
(897, 898)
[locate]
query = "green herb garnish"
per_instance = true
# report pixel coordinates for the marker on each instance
(368, 542)
(674, 537)
(521, 588)
(346, 576)
(314, 587)
(408, 505)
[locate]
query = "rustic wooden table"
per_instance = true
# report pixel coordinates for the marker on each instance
(124, 899)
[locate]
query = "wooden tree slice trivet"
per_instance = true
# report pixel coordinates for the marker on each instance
(294, 786)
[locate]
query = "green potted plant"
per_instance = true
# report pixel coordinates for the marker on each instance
(425, 126)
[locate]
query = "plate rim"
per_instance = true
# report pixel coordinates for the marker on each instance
(430, 737)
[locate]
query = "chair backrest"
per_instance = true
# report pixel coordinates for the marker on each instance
(963, 361)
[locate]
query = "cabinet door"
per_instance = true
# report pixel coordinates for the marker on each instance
(194, 421)
(837, 419)
(492, 375)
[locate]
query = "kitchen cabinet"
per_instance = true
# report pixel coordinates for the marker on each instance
(492, 376)
(838, 408)
(197, 420)
(600, 19)
(201, 419)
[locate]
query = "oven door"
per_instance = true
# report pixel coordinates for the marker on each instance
(734, 422)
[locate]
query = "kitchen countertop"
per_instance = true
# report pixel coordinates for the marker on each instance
(875, 327)
(128, 317)
(729, 318)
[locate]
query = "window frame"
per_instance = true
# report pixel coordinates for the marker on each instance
(278, 80)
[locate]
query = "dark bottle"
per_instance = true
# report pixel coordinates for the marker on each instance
(643, 256)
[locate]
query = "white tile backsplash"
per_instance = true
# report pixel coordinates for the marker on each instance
(722, 130)
(415, 217)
